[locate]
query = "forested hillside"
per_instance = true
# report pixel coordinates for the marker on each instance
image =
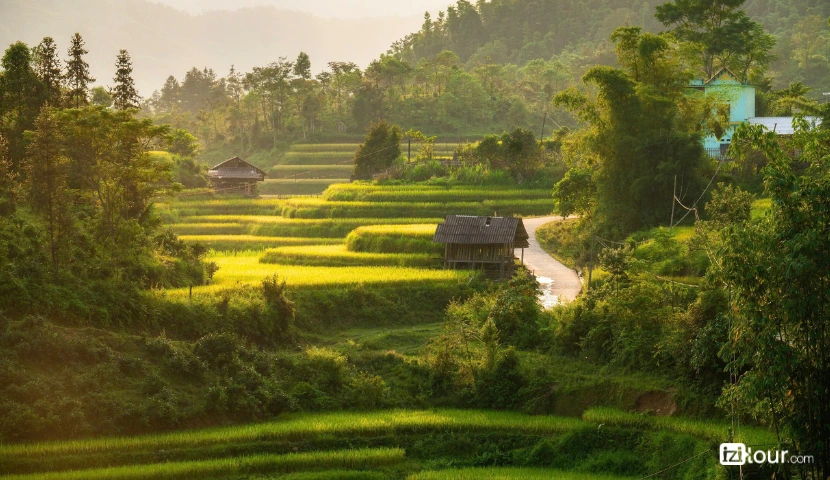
(502, 31)
(472, 70)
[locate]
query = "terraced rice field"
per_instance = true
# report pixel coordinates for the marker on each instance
(270, 449)
(508, 473)
(338, 255)
(308, 169)
(244, 269)
(353, 234)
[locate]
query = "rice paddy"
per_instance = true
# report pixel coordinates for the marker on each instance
(232, 451)
(706, 429)
(253, 242)
(393, 239)
(355, 234)
(228, 466)
(425, 193)
(338, 255)
(308, 426)
(264, 225)
(508, 473)
(243, 269)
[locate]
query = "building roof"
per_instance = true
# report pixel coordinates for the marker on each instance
(720, 74)
(781, 125)
(481, 230)
(236, 168)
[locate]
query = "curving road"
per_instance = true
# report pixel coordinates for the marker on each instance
(559, 283)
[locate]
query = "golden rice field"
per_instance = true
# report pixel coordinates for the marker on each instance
(338, 255)
(272, 219)
(253, 242)
(244, 268)
(273, 226)
(424, 193)
(413, 230)
(324, 147)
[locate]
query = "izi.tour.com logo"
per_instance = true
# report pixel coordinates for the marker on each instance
(740, 454)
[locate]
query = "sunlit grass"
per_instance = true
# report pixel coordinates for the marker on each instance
(759, 207)
(244, 268)
(324, 147)
(415, 238)
(273, 226)
(310, 426)
(716, 431)
(245, 242)
(273, 219)
(423, 193)
(233, 466)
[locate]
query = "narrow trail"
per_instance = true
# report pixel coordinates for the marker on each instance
(559, 283)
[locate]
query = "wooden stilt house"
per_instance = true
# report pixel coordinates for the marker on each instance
(235, 174)
(487, 243)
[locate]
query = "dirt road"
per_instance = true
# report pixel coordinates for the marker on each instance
(559, 283)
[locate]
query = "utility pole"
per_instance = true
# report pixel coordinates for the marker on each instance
(408, 149)
(542, 138)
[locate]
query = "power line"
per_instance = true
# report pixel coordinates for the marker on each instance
(675, 465)
(694, 205)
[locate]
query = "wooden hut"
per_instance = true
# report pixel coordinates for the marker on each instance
(235, 174)
(481, 242)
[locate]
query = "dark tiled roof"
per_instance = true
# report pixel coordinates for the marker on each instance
(481, 230)
(236, 168)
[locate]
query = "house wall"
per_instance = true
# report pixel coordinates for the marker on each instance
(741, 99)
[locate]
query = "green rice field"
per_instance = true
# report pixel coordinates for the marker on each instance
(508, 473)
(234, 466)
(270, 448)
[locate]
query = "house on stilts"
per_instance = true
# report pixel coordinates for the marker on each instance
(486, 243)
(235, 174)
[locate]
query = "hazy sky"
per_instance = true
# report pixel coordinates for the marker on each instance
(322, 8)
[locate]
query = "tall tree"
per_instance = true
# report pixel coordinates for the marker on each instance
(48, 69)
(302, 67)
(639, 136)
(77, 73)
(124, 94)
(379, 149)
(719, 34)
(20, 98)
(778, 270)
(46, 179)
(170, 94)
(101, 97)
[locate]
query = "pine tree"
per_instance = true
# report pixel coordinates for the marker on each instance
(20, 98)
(48, 69)
(169, 94)
(124, 94)
(77, 73)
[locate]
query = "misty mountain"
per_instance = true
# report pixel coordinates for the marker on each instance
(320, 8)
(165, 41)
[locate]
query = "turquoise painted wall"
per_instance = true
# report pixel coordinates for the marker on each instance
(741, 99)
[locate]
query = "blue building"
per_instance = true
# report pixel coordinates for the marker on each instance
(738, 95)
(740, 98)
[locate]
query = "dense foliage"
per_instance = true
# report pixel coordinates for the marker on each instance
(78, 234)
